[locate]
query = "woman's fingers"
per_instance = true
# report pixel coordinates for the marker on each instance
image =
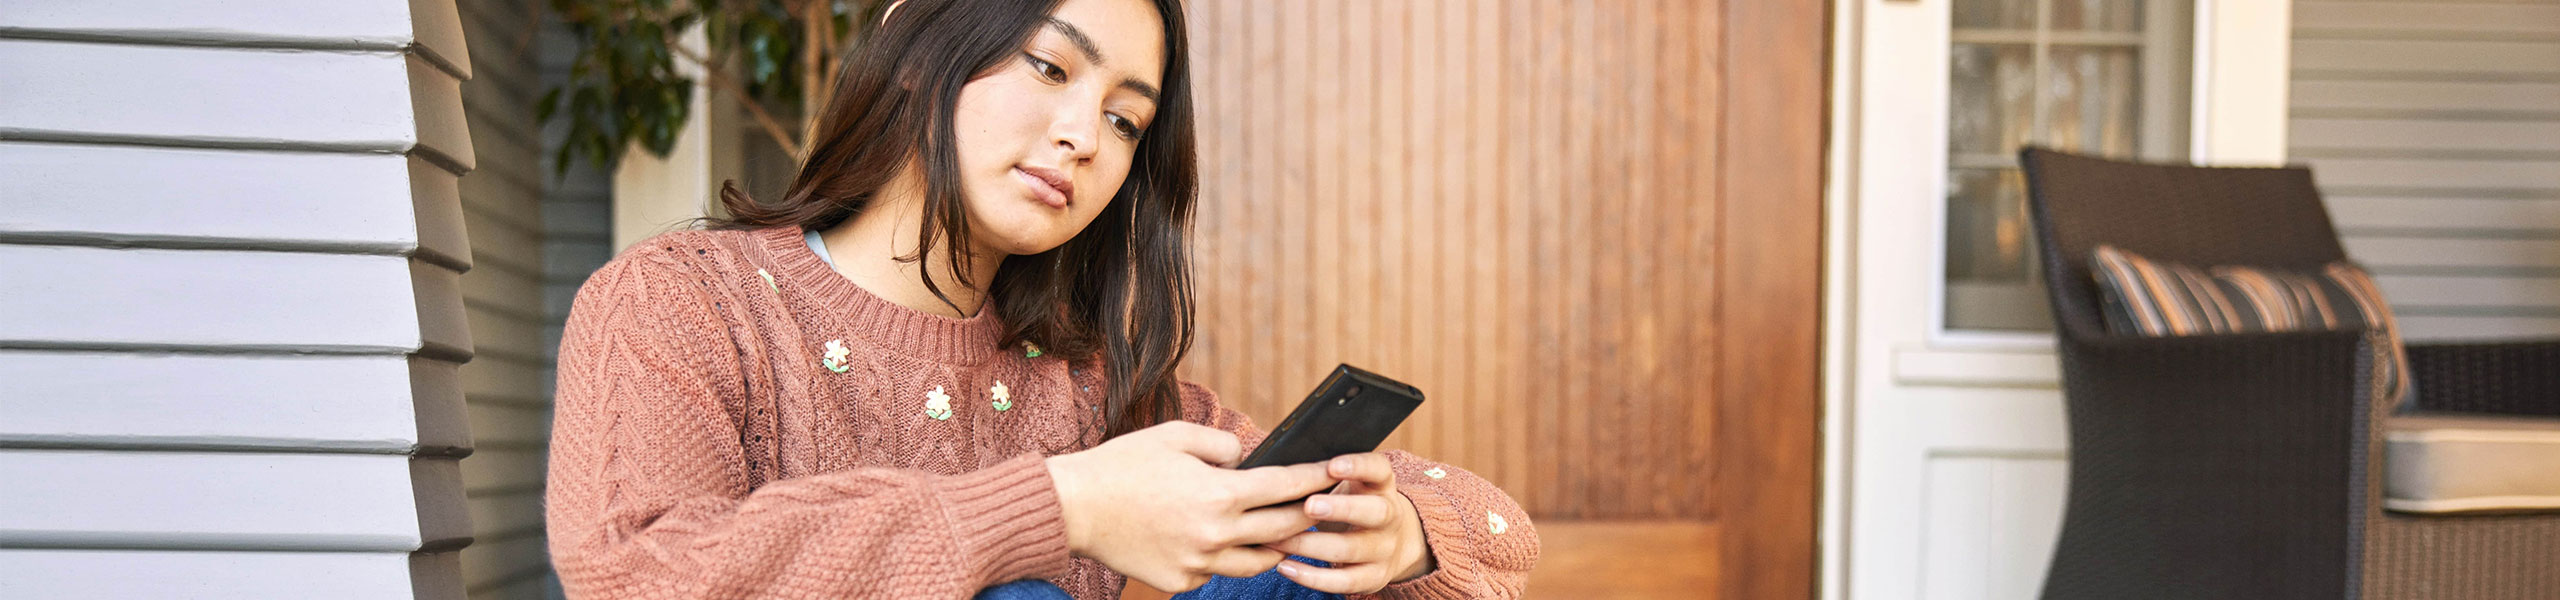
(1267, 525)
(1265, 486)
(1367, 511)
(1243, 561)
(1206, 443)
(1371, 468)
(1342, 549)
(1351, 579)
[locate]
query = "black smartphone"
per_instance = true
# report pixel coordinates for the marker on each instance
(1350, 413)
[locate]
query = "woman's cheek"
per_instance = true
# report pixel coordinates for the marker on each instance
(1113, 176)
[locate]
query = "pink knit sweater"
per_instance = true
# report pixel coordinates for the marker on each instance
(735, 419)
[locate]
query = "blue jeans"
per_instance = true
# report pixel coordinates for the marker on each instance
(1270, 585)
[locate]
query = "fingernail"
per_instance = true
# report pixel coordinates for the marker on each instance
(1342, 466)
(1319, 507)
(1288, 569)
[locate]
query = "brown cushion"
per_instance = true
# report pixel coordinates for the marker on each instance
(2141, 296)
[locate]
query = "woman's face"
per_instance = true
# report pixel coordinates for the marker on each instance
(1046, 138)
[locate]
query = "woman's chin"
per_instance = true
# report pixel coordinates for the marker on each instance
(1019, 232)
(1023, 243)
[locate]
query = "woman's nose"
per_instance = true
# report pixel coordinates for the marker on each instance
(1077, 130)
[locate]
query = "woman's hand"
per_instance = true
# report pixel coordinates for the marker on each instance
(1159, 506)
(1370, 533)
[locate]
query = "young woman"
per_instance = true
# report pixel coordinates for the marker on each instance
(945, 360)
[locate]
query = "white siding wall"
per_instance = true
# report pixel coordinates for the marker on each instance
(2434, 128)
(577, 211)
(230, 339)
(508, 380)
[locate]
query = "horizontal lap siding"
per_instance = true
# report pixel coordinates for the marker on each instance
(352, 402)
(183, 574)
(507, 382)
(80, 296)
(210, 500)
(357, 202)
(236, 244)
(2435, 131)
(577, 208)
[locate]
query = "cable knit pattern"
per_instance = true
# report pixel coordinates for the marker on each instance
(707, 444)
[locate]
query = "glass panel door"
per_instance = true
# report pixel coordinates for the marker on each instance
(2106, 77)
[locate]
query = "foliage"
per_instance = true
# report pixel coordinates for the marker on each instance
(624, 88)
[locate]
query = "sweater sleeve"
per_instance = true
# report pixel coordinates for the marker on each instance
(1483, 543)
(650, 494)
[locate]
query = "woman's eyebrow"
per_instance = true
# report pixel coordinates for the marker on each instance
(1082, 41)
(1093, 53)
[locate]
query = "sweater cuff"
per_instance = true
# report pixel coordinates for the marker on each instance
(1445, 530)
(1007, 521)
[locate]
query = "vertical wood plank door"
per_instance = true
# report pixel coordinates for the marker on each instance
(1589, 230)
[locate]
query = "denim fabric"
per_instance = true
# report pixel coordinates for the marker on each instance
(1270, 585)
(1028, 589)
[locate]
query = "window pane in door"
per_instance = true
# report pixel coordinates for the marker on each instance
(1986, 225)
(2097, 15)
(1996, 14)
(2095, 96)
(2101, 77)
(1992, 97)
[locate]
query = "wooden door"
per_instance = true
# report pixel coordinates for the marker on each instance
(1589, 230)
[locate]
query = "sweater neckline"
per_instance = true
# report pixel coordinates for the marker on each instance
(888, 325)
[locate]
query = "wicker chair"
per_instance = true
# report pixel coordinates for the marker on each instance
(2248, 466)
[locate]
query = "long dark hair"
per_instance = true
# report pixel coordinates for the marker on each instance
(1120, 289)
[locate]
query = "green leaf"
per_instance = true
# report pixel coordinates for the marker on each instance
(623, 90)
(549, 105)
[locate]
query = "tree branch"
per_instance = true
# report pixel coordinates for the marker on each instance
(819, 19)
(720, 77)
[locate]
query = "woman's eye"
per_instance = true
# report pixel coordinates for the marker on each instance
(1126, 128)
(1047, 70)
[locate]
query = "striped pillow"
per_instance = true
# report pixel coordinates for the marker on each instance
(2152, 298)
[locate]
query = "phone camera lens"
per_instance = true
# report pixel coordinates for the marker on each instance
(1353, 393)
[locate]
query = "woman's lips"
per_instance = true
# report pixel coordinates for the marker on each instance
(1048, 186)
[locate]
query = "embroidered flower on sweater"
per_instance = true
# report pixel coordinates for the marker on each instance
(1494, 523)
(836, 355)
(1030, 350)
(1436, 473)
(937, 404)
(1003, 397)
